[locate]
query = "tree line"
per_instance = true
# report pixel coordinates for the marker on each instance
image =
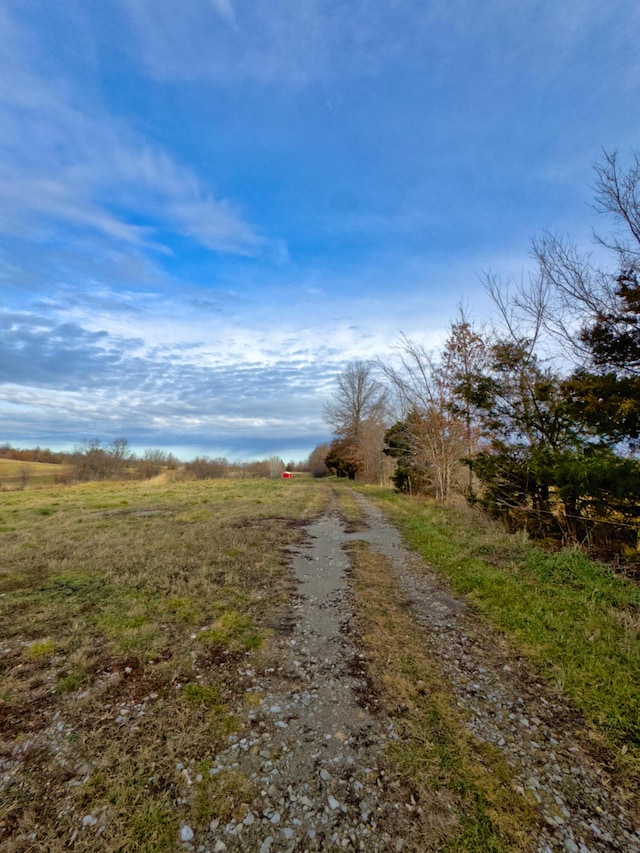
(94, 459)
(535, 416)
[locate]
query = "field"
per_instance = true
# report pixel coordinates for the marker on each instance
(123, 607)
(15, 474)
(127, 611)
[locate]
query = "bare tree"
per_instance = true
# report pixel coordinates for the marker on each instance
(358, 397)
(568, 288)
(91, 460)
(204, 468)
(152, 463)
(316, 461)
(118, 453)
(276, 466)
(617, 195)
(357, 414)
(413, 377)
(24, 475)
(375, 465)
(434, 433)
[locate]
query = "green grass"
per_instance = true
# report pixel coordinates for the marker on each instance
(71, 681)
(202, 694)
(574, 618)
(233, 631)
(39, 649)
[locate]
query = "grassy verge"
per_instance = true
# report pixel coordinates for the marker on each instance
(127, 612)
(463, 787)
(575, 619)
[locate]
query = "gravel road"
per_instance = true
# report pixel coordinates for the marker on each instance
(316, 752)
(315, 747)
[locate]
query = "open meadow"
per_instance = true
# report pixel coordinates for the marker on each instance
(125, 612)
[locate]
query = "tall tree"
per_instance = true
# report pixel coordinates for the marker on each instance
(526, 426)
(606, 394)
(562, 452)
(464, 361)
(316, 461)
(357, 415)
(428, 446)
(344, 458)
(358, 397)
(598, 310)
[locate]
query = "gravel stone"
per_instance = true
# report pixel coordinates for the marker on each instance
(186, 833)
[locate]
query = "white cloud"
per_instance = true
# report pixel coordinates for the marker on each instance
(115, 338)
(224, 8)
(66, 163)
(280, 41)
(294, 42)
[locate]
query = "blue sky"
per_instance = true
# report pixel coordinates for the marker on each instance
(208, 207)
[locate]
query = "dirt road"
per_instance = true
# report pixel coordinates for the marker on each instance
(317, 743)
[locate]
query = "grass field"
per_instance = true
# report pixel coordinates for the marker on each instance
(124, 607)
(15, 474)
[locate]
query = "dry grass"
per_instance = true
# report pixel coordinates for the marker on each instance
(349, 507)
(15, 474)
(463, 786)
(126, 611)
